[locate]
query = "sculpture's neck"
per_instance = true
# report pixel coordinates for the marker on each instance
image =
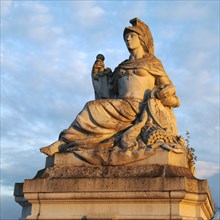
(137, 53)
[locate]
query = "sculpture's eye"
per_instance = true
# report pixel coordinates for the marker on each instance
(122, 72)
(133, 35)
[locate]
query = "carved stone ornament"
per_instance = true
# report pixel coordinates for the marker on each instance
(131, 117)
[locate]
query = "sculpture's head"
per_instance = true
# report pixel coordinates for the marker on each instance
(143, 32)
(132, 40)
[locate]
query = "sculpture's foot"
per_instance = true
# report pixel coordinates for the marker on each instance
(52, 149)
(178, 151)
(173, 149)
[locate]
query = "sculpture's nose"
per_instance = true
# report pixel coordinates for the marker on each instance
(128, 38)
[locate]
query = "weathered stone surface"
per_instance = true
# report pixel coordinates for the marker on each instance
(125, 159)
(132, 115)
(119, 198)
(162, 164)
(63, 191)
(114, 171)
(160, 157)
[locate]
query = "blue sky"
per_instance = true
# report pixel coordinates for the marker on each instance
(47, 52)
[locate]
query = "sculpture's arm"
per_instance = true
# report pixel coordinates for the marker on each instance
(100, 78)
(165, 90)
(97, 70)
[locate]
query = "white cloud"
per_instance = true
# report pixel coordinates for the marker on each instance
(43, 34)
(87, 13)
(42, 96)
(133, 9)
(5, 7)
(187, 10)
(31, 21)
(206, 169)
(34, 7)
(7, 190)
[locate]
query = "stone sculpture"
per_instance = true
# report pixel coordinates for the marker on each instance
(121, 158)
(131, 118)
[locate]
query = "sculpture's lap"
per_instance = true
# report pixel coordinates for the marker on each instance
(101, 119)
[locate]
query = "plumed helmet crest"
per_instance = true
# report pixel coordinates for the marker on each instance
(143, 31)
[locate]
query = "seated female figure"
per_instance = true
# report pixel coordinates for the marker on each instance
(141, 94)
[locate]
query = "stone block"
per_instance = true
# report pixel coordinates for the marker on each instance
(162, 157)
(66, 189)
(117, 198)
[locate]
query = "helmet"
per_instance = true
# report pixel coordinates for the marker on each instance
(144, 33)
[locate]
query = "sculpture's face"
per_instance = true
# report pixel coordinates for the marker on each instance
(132, 40)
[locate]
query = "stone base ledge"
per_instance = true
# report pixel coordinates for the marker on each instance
(115, 185)
(97, 217)
(141, 171)
(160, 187)
(118, 198)
(161, 205)
(162, 164)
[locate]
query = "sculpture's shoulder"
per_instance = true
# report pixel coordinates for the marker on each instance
(152, 59)
(155, 65)
(124, 63)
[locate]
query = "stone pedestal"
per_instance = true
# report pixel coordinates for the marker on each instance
(71, 189)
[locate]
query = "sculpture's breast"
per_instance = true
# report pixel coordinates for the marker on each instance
(133, 83)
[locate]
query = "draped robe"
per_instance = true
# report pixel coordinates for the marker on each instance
(103, 118)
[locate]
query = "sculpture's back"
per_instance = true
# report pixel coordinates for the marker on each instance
(128, 131)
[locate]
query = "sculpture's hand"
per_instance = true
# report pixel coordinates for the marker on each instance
(167, 96)
(171, 101)
(166, 91)
(98, 67)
